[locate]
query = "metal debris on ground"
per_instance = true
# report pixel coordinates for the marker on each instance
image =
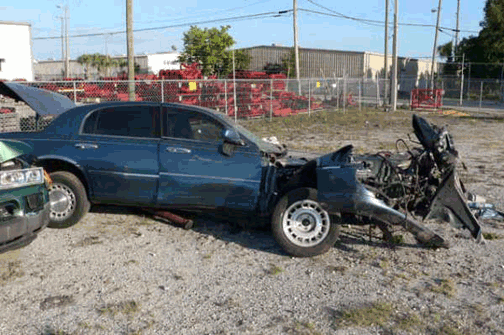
(486, 211)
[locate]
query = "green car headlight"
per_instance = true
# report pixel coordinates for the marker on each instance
(19, 178)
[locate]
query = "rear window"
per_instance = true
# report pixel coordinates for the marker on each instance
(131, 121)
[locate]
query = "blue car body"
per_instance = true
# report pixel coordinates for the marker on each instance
(168, 155)
(158, 171)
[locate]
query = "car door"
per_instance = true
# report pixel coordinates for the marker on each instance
(193, 170)
(118, 149)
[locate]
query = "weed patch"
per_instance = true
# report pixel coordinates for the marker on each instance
(376, 314)
(11, 272)
(492, 236)
(443, 286)
(274, 270)
(126, 307)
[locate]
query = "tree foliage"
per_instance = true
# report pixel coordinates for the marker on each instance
(287, 65)
(102, 63)
(488, 46)
(210, 47)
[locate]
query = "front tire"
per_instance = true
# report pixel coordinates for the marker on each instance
(68, 198)
(301, 226)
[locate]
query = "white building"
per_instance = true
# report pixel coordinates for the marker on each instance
(162, 61)
(147, 63)
(15, 51)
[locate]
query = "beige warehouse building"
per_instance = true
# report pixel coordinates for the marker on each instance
(324, 63)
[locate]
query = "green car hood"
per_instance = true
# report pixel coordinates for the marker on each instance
(10, 149)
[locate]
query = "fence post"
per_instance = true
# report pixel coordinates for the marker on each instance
(468, 96)
(225, 97)
(234, 100)
(377, 92)
(271, 100)
(344, 94)
(481, 94)
(309, 97)
(74, 92)
(162, 90)
(337, 94)
(461, 89)
(360, 94)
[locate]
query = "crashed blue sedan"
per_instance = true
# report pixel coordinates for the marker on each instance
(173, 156)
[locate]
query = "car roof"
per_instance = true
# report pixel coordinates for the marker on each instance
(70, 121)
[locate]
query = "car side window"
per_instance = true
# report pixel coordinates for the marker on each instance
(205, 129)
(131, 121)
(194, 126)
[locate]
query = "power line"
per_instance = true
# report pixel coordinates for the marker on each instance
(229, 19)
(200, 14)
(377, 22)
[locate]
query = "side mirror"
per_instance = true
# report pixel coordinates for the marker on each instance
(232, 137)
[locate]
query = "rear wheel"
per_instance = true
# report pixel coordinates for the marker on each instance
(68, 200)
(301, 226)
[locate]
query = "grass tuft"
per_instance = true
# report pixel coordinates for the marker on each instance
(129, 307)
(274, 270)
(443, 286)
(376, 314)
(12, 272)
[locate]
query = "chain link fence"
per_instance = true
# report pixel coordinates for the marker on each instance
(251, 98)
(240, 98)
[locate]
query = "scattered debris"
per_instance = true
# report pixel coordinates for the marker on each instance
(169, 217)
(486, 211)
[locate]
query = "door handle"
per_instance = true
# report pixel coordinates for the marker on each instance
(178, 150)
(86, 146)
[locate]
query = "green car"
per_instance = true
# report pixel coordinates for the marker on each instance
(24, 199)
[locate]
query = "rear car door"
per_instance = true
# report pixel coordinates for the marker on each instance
(118, 149)
(193, 170)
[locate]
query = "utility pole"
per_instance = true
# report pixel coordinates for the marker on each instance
(435, 44)
(457, 29)
(63, 45)
(67, 54)
(393, 89)
(131, 52)
(385, 66)
(296, 47)
(462, 82)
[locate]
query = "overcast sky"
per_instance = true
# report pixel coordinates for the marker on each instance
(327, 24)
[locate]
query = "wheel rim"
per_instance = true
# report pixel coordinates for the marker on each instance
(305, 223)
(62, 200)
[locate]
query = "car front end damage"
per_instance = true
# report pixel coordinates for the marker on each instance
(383, 189)
(24, 199)
(340, 191)
(387, 188)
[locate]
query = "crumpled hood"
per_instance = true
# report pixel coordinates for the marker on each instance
(43, 102)
(10, 149)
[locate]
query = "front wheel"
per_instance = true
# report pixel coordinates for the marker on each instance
(68, 199)
(301, 226)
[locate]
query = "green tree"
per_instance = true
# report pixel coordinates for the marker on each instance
(488, 46)
(102, 63)
(289, 64)
(211, 49)
(446, 51)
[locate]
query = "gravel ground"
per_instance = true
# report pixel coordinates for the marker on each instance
(118, 272)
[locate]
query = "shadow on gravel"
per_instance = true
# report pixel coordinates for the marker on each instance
(253, 233)
(349, 238)
(246, 231)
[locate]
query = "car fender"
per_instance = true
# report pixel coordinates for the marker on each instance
(66, 164)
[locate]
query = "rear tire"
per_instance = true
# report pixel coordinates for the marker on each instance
(68, 198)
(301, 226)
